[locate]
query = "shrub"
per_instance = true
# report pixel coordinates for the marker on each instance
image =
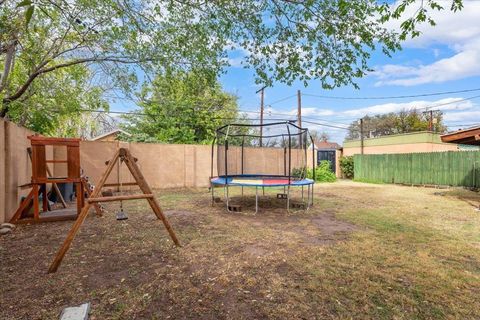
(299, 172)
(347, 166)
(323, 173)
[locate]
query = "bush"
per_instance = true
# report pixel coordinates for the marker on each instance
(347, 166)
(323, 173)
(299, 172)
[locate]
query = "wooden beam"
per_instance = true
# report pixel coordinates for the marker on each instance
(22, 207)
(120, 184)
(139, 178)
(36, 209)
(51, 141)
(86, 187)
(81, 218)
(57, 180)
(120, 198)
(46, 219)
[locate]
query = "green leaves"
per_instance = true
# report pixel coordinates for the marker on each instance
(127, 43)
(30, 8)
(28, 14)
(24, 3)
(181, 107)
(408, 27)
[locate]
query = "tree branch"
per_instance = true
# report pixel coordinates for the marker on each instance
(39, 71)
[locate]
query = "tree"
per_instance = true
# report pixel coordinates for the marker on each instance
(56, 100)
(404, 121)
(319, 136)
(85, 125)
(283, 40)
(181, 107)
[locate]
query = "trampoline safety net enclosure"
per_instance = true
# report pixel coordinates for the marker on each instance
(268, 155)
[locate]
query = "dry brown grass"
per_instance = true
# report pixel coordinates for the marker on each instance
(364, 251)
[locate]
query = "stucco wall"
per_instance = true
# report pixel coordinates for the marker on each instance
(15, 166)
(413, 142)
(173, 166)
(163, 165)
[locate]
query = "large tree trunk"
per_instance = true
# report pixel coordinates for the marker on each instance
(9, 60)
(10, 53)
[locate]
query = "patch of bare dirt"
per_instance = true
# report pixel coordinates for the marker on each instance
(130, 269)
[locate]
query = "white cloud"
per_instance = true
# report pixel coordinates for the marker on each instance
(465, 63)
(460, 112)
(450, 104)
(459, 31)
(467, 116)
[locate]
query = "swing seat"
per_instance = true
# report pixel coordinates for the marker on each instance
(121, 215)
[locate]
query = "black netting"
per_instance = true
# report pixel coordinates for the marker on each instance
(276, 149)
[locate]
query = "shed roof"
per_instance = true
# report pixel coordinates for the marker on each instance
(470, 136)
(326, 145)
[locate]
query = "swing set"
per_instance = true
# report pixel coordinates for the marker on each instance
(86, 197)
(122, 155)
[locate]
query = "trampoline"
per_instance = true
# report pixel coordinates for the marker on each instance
(263, 156)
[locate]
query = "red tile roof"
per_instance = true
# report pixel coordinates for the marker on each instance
(326, 145)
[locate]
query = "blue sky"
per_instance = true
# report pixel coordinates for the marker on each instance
(444, 58)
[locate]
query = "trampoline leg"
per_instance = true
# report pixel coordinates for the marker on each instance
(213, 193)
(263, 190)
(256, 200)
(302, 193)
(288, 198)
(227, 198)
(311, 204)
(308, 198)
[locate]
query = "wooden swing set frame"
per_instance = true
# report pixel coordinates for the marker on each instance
(124, 155)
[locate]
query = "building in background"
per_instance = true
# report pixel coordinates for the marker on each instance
(111, 135)
(413, 142)
(469, 136)
(330, 151)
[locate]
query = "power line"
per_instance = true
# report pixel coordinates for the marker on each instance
(391, 97)
(283, 99)
(216, 118)
(293, 115)
(325, 125)
(452, 102)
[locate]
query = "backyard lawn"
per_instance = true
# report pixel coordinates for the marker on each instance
(363, 251)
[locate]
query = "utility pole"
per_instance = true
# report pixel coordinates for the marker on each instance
(361, 135)
(262, 108)
(430, 118)
(430, 121)
(262, 95)
(299, 112)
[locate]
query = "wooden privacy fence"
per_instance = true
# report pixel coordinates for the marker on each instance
(451, 168)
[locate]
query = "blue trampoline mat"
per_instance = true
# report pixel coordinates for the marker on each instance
(260, 181)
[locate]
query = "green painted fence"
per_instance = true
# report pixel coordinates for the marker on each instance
(451, 168)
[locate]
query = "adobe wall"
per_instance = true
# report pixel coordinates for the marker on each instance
(163, 165)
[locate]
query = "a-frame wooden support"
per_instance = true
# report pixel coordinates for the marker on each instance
(124, 155)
